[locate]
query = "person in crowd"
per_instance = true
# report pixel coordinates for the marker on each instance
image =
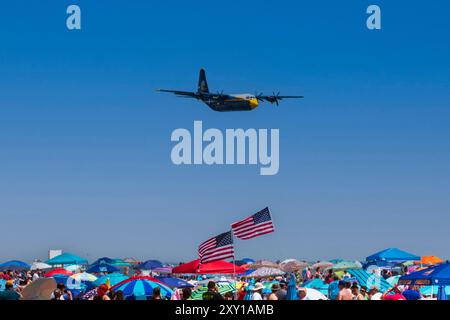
(344, 291)
(393, 294)
(156, 295)
(374, 294)
(364, 293)
(273, 295)
(186, 293)
(333, 288)
(257, 291)
(102, 291)
(228, 296)
(282, 293)
(9, 293)
(356, 293)
(212, 292)
(329, 277)
(412, 293)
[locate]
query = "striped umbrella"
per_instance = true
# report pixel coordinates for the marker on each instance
(223, 288)
(141, 288)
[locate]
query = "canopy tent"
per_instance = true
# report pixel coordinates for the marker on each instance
(437, 275)
(66, 258)
(370, 280)
(392, 254)
(14, 265)
(149, 265)
(217, 267)
(102, 267)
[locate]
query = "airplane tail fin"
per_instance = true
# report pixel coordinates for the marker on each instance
(202, 84)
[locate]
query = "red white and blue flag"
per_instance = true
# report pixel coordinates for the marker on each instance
(256, 225)
(217, 248)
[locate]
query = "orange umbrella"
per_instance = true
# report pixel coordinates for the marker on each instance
(429, 260)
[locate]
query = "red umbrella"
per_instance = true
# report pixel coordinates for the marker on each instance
(58, 271)
(217, 267)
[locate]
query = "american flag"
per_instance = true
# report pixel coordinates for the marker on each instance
(256, 225)
(217, 248)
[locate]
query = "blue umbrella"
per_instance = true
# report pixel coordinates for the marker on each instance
(114, 278)
(173, 282)
(102, 267)
(141, 288)
(441, 293)
(14, 265)
(150, 265)
(292, 289)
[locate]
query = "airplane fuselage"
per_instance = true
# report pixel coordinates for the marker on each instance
(235, 102)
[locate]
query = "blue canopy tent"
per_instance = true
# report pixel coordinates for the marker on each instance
(102, 267)
(392, 254)
(150, 265)
(14, 265)
(66, 258)
(434, 276)
(369, 280)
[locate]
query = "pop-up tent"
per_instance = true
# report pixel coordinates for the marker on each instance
(438, 276)
(392, 254)
(66, 258)
(217, 267)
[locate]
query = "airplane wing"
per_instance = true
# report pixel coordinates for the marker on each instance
(276, 98)
(185, 94)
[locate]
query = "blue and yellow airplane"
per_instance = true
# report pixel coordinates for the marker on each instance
(227, 102)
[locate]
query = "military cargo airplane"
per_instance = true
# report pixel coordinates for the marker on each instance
(227, 102)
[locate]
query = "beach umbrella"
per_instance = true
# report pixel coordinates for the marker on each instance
(292, 265)
(313, 294)
(141, 288)
(75, 268)
(84, 276)
(113, 278)
(165, 269)
(223, 288)
(265, 272)
(393, 280)
(102, 267)
(120, 263)
(292, 288)
(173, 282)
(345, 265)
(37, 265)
(149, 265)
(317, 284)
(322, 265)
(40, 289)
(429, 260)
(14, 265)
(263, 264)
(58, 271)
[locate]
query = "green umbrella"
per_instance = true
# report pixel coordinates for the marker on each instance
(345, 265)
(222, 287)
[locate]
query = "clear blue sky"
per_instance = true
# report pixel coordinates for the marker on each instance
(85, 141)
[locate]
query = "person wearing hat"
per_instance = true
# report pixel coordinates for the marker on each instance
(9, 293)
(257, 291)
(275, 288)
